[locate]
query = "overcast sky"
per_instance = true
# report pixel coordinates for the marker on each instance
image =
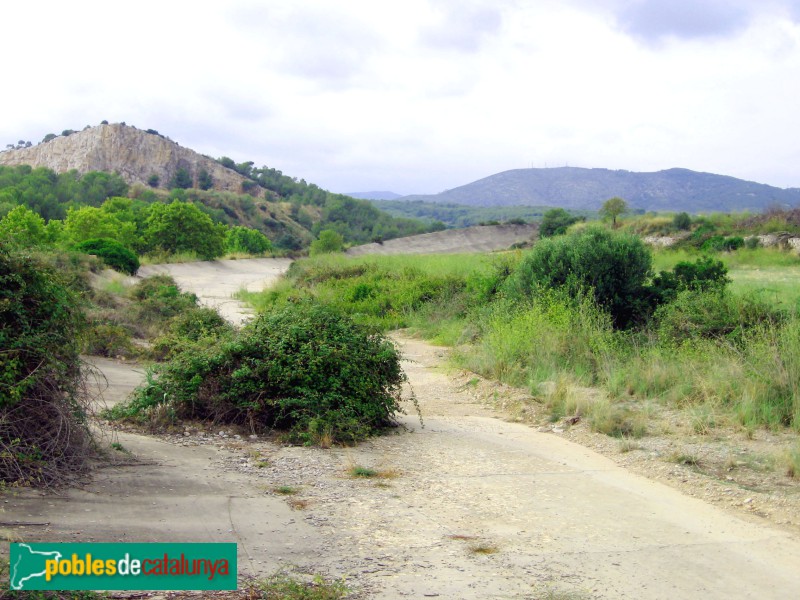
(421, 95)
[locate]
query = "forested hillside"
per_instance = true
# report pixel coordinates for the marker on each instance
(85, 168)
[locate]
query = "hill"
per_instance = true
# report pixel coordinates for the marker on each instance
(586, 189)
(69, 169)
(137, 155)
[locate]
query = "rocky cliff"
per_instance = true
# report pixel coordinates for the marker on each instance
(135, 154)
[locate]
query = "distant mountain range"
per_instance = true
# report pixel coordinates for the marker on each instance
(586, 189)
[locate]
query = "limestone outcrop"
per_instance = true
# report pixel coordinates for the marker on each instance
(133, 153)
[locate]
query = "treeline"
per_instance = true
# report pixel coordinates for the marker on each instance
(357, 221)
(292, 214)
(460, 215)
(50, 194)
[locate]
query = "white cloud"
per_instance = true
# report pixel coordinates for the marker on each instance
(422, 95)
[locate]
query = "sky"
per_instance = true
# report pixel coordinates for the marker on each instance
(421, 96)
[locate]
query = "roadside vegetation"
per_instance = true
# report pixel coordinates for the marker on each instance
(44, 437)
(307, 369)
(593, 308)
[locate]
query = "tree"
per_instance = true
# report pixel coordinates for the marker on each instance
(88, 222)
(204, 180)
(246, 241)
(555, 222)
(613, 208)
(182, 179)
(328, 241)
(23, 227)
(182, 227)
(153, 180)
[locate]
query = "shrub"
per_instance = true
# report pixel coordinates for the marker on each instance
(246, 241)
(704, 274)
(108, 339)
(308, 369)
(682, 221)
(158, 299)
(611, 267)
(715, 313)
(114, 254)
(556, 222)
(42, 434)
(23, 227)
(719, 243)
(328, 241)
(199, 324)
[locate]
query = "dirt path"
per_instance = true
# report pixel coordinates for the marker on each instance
(215, 282)
(470, 506)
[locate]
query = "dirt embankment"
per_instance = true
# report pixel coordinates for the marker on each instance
(481, 238)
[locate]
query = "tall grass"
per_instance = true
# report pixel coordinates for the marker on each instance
(387, 292)
(740, 365)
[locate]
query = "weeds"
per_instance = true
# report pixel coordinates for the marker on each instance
(685, 459)
(628, 445)
(792, 462)
(283, 586)
(483, 548)
(360, 472)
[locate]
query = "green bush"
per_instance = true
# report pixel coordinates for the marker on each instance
(246, 241)
(712, 314)
(114, 254)
(108, 339)
(199, 324)
(42, 435)
(156, 300)
(612, 267)
(183, 227)
(556, 222)
(328, 241)
(719, 243)
(704, 274)
(308, 369)
(682, 221)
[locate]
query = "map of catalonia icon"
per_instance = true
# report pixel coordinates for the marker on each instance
(28, 564)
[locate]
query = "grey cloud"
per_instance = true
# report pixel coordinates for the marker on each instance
(462, 26)
(656, 19)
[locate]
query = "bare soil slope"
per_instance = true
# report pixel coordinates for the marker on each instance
(482, 238)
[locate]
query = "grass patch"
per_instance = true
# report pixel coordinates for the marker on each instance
(792, 462)
(285, 490)
(685, 459)
(628, 445)
(361, 472)
(283, 586)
